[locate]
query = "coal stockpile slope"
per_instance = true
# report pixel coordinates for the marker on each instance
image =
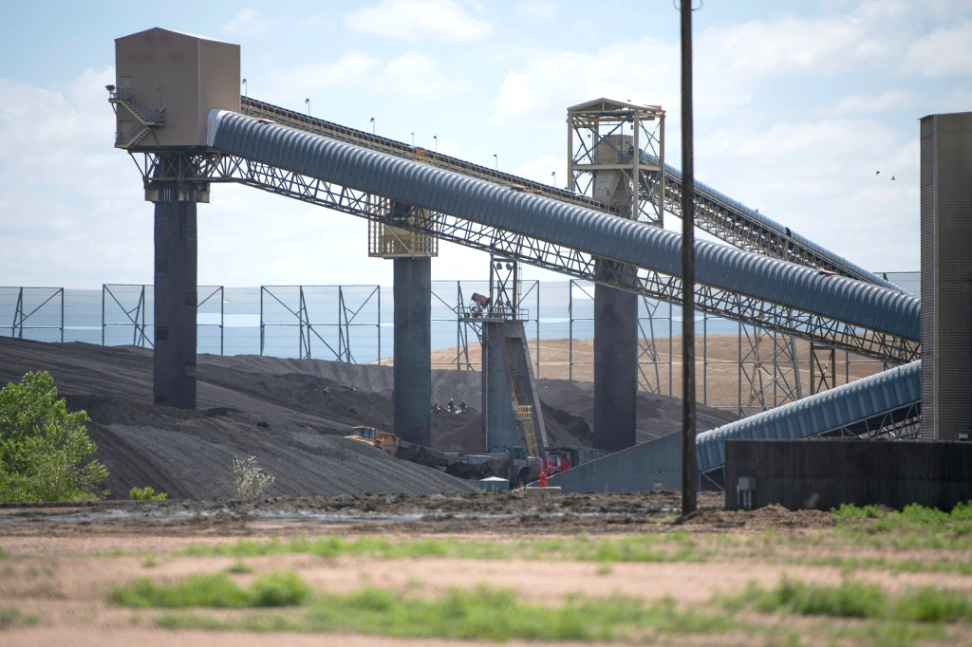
(276, 410)
(272, 409)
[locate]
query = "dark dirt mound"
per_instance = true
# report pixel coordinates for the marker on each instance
(275, 409)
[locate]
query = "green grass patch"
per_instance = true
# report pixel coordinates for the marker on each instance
(913, 528)
(4, 554)
(217, 591)
(239, 568)
(483, 613)
(10, 616)
(853, 599)
(675, 547)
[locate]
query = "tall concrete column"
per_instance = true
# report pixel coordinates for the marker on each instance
(615, 368)
(174, 381)
(413, 349)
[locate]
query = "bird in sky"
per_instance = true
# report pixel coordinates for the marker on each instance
(877, 172)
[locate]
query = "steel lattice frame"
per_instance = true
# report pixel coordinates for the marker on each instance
(780, 367)
(727, 224)
(211, 166)
(603, 121)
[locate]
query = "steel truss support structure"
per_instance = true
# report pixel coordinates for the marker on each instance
(308, 331)
(21, 313)
(649, 376)
(217, 293)
(823, 368)
(603, 136)
(216, 167)
(610, 145)
(134, 315)
(769, 370)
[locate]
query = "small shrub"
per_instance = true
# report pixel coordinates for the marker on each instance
(146, 494)
(214, 591)
(251, 480)
(848, 511)
(279, 590)
(239, 568)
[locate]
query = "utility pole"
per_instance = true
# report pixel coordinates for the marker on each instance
(689, 466)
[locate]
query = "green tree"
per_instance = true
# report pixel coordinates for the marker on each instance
(44, 450)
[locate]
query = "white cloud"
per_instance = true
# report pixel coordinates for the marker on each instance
(413, 74)
(540, 169)
(788, 44)
(247, 22)
(66, 215)
(867, 104)
(420, 20)
(946, 52)
(536, 9)
(548, 81)
(959, 99)
(416, 74)
(818, 178)
(351, 69)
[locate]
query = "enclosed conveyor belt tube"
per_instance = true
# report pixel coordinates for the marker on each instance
(477, 201)
(850, 406)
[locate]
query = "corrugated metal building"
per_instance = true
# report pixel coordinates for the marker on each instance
(946, 276)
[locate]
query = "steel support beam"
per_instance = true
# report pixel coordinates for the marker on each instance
(747, 309)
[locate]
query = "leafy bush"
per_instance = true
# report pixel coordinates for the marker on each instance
(848, 511)
(146, 494)
(44, 450)
(251, 481)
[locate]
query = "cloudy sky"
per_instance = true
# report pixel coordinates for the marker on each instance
(798, 104)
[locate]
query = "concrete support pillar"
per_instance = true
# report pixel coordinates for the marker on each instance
(413, 349)
(174, 381)
(499, 424)
(615, 368)
(508, 382)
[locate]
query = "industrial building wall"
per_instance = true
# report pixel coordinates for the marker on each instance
(946, 238)
(636, 469)
(822, 474)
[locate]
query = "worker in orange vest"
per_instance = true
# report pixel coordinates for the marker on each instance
(543, 479)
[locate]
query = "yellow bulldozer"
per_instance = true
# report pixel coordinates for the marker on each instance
(383, 440)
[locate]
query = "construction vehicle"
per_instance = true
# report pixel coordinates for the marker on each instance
(511, 463)
(372, 436)
(561, 458)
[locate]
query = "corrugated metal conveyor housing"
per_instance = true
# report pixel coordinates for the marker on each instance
(746, 274)
(717, 213)
(738, 217)
(886, 398)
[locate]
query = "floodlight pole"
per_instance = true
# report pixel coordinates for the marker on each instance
(689, 466)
